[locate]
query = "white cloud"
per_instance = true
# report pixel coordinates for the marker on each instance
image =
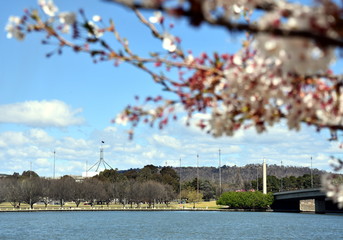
(127, 148)
(75, 143)
(52, 113)
(110, 129)
(134, 162)
(40, 136)
(167, 141)
(152, 146)
(32, 136)
(153, 154)
(43, 162)
(12, 138)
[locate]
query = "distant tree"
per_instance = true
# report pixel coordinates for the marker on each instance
(120, 191)
(16, 175)
(152, 191)
(131, 174)
(135, 192)
(46, 191)
(170, 177)
(238, 179)
(149, 172)
(317, 180)
(103, 196)
(94, 190)
(109, 195)
(290, 183)
(111, 175)
(246, 200)
(2, 191)
(191, 184)
(77, 192)
(13, 191)
(168, 194)
(31, 190)
(153, 169)
(205, 187)
(28, 174)
(194, 197)
(62, 189)
(273, 184)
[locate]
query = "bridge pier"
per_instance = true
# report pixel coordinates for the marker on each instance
(289, 205)
(320, 205)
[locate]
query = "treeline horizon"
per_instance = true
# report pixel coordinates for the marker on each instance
(248, 171)
(150, 185)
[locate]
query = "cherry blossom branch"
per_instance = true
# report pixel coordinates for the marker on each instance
(241, 27)
(197, 15)
(203, 90)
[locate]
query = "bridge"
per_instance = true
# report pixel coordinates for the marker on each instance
(290, 201)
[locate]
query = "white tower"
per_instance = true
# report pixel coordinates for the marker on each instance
(264, 177)
(101, 161)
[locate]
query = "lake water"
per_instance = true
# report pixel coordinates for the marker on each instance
(168, 225)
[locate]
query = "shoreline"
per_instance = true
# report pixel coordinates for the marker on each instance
(158, 210)
(134, 210)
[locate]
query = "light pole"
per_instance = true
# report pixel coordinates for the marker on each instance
(264, 174)
(281, 179)
(180, 181)
(54, 164)
(30, 184)
(220, 174)
(197, 176)
(311, 174)
(257, 171)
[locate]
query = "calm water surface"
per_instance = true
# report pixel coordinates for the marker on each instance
(169, 225)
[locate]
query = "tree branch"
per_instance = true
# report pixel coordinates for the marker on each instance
(233, 26)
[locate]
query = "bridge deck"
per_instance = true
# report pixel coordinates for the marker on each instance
(313, 193)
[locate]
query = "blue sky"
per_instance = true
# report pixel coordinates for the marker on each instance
(66, 103)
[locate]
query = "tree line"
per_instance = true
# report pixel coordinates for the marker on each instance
(132, 187)
(242, 174)
(149, 185)
(104, 188)
(290, 183)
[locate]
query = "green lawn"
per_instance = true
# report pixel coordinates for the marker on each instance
(6, 206)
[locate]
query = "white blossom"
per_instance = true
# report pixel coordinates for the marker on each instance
(189, 59)
(96, 18)
(14, 19)
(168, 43)
(48, 7)
(237, 59)
(121, 119)
(156, 18)
(309, 59)
(13, 30)
(333, 190)
(237, 9)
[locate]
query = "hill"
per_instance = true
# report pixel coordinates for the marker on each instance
(239, 175)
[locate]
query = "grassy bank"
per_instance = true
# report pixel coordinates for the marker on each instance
(72, 206)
